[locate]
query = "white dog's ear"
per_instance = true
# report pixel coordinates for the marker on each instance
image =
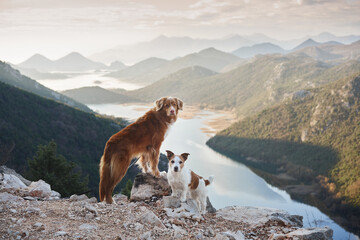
(169, 154)
(180, 104)
(185, 156)
(159, 103)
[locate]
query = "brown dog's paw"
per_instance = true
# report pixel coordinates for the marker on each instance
(157, 174)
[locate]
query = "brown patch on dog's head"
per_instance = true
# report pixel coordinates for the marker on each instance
(185, 156)
(170, 105)
(169, 154)
(176, 162)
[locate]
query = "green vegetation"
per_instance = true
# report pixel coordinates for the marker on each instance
(27, 120)
(313, 139)
(57, 171)
(14, 78)
(127, 189)
(261, 83)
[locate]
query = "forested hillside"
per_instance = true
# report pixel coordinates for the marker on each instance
(14, 78)
(250, 88)
(313, 138)
(27, 120)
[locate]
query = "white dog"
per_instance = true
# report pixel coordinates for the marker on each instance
(182, 180)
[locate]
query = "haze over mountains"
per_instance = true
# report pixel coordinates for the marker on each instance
(156, 69)
(14, 78)
(71, 62)
(172, 47)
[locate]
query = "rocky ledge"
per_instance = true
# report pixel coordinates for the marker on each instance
(149, 217)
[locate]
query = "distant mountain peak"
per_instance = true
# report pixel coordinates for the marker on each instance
(308, 43)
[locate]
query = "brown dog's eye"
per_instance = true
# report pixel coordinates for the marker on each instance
(172, 161)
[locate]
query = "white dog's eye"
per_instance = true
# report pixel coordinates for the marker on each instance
(180, 162)
(172, 161)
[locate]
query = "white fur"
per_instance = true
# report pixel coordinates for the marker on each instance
(179, 182)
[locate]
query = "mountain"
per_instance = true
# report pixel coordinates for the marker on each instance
(97, 95)
(209, 58)
(314, 138)
(171, 47)
(38, 62)
(76, 62)
(35, 74)
(328, 37)
(308, 43)
(28, 120)
(71, 62)
(318, 53)
(15, 78)
(172, 85)
(139, 69)
(332, 53)
(117, 65)
(265, 81)
(263, 48)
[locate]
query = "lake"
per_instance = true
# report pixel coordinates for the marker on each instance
(234, 184)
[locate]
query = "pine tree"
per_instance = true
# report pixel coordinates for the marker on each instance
(127, 189)
(56, 171)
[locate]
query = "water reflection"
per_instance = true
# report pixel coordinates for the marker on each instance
(234, 183)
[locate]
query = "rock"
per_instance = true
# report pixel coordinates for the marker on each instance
(87, 227)
(39, 189)
(171, 202)
(54, 195)
(209, 232)
(9, 181)
(61, 233)
(299, 94)
(233, 236)
(145, 186)
(91, 209)
(259, 216)
(146, 236)
(7, 197)
(39, 226)
(4, 169)
(209, 206)
(151, 218)
(179, 232)
(120, 198)
(324, 233)
(74, 198)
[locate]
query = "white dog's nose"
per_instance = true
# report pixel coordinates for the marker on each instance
(176, 169)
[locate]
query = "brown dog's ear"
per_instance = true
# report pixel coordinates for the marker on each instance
(159, 103)
(185, 156)
(169, 154)
(179, 103)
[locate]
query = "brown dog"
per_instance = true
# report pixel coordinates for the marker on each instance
(142, 138)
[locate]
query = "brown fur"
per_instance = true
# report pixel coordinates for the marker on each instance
(194, 182)
(142, 138)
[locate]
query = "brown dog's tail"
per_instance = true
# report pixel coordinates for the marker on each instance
(209, 181)
(105, 173)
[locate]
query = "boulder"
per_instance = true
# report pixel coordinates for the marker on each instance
(257, 216)
(150, 218)
(9, 181)
(39, 189)
(4, 169)
(146, 185)
(323, 233)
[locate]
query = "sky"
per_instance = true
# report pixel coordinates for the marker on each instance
(54, 28)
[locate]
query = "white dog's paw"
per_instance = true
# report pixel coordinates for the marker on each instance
(163, 174)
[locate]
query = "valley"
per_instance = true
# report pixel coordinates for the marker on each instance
(289, 115)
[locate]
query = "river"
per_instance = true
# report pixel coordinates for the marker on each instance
(234, 184)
